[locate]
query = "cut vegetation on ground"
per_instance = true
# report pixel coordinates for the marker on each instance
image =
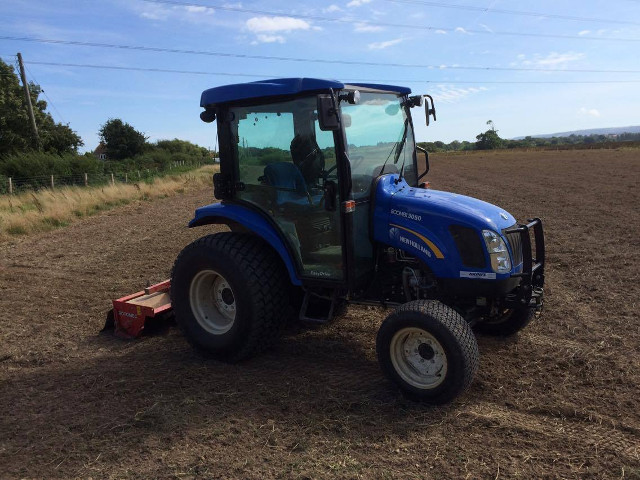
(558, 401)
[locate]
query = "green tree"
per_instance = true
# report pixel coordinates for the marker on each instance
(16, 135)
(490, 139)
(121, 139)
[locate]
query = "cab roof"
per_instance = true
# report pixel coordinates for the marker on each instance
(281, 86)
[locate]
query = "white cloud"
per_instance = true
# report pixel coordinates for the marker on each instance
(276, 24)
(187, 13)
(588, 112)
(365, 27)
(357, 3)
(381, 45)
(441, 32)
(486, 28)
(452, 94)
(272, 29)
(551, 60)
(199, 10)
(331, 8)
(263, 38)
(462, 30)
(584, 32)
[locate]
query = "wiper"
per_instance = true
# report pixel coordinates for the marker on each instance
(397, 147)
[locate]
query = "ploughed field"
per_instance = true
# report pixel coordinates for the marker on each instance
(562, 399)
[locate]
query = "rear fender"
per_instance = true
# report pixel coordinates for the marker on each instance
(237, 216)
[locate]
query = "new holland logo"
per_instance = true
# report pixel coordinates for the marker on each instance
(414, 244)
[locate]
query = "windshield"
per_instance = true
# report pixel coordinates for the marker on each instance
(379, 133)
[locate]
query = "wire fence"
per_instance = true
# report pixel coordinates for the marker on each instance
(15, 185)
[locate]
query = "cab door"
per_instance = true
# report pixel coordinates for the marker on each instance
(284, 163)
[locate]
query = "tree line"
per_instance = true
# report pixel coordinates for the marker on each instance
(490, 140)
(126, 149)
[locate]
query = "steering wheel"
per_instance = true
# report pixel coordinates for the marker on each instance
(326, 173)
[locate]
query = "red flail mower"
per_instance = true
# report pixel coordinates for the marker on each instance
(130, 313)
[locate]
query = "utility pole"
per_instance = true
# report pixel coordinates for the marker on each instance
(28, 96)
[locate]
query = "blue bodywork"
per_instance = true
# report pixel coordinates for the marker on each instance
(228, 213)
(281, 86)
(417, 220)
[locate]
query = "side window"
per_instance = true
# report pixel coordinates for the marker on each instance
(263, 138)
(284, 161)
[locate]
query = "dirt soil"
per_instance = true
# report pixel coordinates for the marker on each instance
(560, 400)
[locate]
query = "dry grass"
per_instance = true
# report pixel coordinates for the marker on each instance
(32, 212)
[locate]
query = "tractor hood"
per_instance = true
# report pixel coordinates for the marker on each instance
(458, 209)
(419, 220)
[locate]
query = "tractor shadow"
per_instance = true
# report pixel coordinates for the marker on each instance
(313, 381)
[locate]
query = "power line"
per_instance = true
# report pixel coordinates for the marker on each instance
(299, 59)
(351, 21)
(45, 95)
(512, 12)
(230, 74)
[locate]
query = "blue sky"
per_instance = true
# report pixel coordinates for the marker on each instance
(431, 46)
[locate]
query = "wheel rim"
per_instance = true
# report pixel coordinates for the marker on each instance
(418, 358)
(213, 302)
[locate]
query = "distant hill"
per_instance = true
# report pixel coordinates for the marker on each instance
(590, 131)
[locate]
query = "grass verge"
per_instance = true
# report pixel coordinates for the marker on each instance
(44, 210)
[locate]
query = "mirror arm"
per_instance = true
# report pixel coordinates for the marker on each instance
(426, 154)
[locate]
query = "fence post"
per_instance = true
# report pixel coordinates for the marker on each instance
(10, 186)
(126, 178)
(52, 185)
(138, 174)
(86, 180)
(113, 182)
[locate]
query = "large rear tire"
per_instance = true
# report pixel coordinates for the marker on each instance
(429, 350)
(229, 295)
(508, 322)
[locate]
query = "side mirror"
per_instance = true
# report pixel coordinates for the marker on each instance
(327, 113)
(429, 111)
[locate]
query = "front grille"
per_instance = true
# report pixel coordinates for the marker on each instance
(515, 242)
(469, 246)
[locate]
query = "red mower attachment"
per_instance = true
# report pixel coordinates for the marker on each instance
(130, 313)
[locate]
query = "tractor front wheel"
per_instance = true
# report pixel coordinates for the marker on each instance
(507, 322)
(429, 350)
(229, 294)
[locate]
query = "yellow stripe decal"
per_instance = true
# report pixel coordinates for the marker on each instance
(431, 245)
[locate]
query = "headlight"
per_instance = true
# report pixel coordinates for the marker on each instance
(500, 261)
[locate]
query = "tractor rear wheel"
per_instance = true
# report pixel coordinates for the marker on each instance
(229, 295)
(429, 350)
(507, 322)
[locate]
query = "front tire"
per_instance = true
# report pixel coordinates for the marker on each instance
(429, 350)
(506, 323)
(229, 295)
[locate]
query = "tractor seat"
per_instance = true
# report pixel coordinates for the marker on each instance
(292, 189)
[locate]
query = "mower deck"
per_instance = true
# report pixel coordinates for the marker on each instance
(130, 312)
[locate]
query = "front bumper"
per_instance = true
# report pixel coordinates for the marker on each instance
(530, 291)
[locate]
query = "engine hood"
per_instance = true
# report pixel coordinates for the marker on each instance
(459, 209)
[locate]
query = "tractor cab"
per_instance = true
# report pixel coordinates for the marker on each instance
(306, 162)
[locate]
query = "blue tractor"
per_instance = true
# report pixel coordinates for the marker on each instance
(321, 185)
